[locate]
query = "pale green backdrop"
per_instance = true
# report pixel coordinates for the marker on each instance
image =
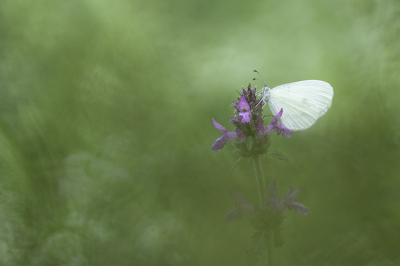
(105, 130)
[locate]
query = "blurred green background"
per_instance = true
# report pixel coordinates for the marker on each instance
(105, 130)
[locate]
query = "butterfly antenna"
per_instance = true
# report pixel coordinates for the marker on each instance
(259, 80)
(260, 92)
(261, 77)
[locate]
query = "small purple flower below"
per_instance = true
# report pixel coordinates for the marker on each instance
(242, 208)
(271, 202)
(288, 203)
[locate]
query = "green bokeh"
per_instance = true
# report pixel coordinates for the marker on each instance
(105, 130)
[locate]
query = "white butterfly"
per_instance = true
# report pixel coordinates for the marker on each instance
(303, 102)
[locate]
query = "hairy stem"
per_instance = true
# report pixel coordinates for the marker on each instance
(261, 189)
(259, 178)
(271, 248)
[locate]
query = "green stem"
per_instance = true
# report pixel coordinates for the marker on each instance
(261, 189)
(259, 177)
(271, 248)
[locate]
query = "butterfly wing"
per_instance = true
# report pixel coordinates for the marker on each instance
(303, 102)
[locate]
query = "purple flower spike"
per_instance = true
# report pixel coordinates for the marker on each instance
(274, 126)
(249, 136)
(221, 141)
(244, 110)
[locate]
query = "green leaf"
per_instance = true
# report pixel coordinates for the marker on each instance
(258, 246)
(278, 155)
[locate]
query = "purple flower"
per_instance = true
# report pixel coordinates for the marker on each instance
(250, 136)
(242, 208)
(273, 126)
(271, 204)
(288, 203)
(221, 141)
(260, 130)
(241, 137)
(244, 110)
(235, 121)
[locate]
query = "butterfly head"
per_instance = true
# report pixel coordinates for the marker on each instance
(265, 94)
(265, 90)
